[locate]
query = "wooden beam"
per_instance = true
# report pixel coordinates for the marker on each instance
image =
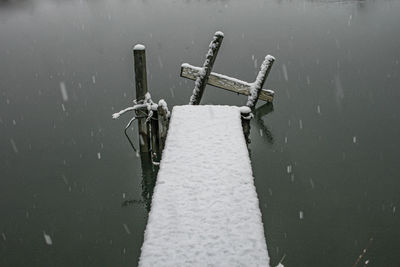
(139, 57)
(259, 82)
(225, 82)
(202, 77)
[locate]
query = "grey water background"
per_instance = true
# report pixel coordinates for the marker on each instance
(325, 160)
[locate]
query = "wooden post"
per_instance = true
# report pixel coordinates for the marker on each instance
(155, 146)
(260, 80)
(149, 177)
(139, 56)
(163, 119)
(202, 78)
(245, 112)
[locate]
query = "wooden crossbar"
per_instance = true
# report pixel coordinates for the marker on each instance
(225, 82)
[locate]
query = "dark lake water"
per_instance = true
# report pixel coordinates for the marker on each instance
(326, 160)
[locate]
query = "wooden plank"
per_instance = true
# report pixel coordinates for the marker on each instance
(225, 82)
(139, 56)
(202, 78)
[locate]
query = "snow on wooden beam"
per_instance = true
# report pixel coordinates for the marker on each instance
(262, 75)
(204, 72)
(225, 82)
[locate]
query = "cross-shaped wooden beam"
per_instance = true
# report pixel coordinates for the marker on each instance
(203, 76)
(225, 82)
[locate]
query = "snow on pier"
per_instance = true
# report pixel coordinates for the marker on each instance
(205, 210)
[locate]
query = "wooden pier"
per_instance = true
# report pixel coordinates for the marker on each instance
(204, 208)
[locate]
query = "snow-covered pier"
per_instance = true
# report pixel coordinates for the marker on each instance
(205, 210)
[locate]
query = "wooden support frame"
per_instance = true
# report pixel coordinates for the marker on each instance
(203, 76)
(225, 82)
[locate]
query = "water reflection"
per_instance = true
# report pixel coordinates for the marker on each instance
(259, 113)
(258, 117)
(149, 177)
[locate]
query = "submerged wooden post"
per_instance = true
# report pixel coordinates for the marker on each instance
(139, 56)
(149, 177)
(256, 87)
(202, 78)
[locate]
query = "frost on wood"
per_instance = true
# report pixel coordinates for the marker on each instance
(145, 108)
(271, 92)
(215, 79)
(146, 103)
(163, 119)
(139, 47)
(204, 72)
(225, 82)
(162, 104)
(205, 209)
(256, 87)
(245, 111)
(219, 33)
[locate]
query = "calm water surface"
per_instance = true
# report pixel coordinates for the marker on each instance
(325, 160)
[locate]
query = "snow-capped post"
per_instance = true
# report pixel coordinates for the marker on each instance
(139, 56)
(246, 115)
(163, 120)
(256, 87)
(202, 76)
